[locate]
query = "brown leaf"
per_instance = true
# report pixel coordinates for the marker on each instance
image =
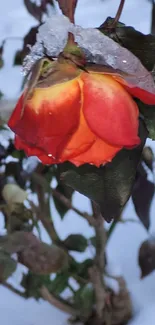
(142, 195)
(68, 8)
(39, 257)
(29, 39)
(35, 10)
(147, 257)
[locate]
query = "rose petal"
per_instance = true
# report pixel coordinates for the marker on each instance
(81, 139)
(50, 116)
(34, 151)
(145, 96)
(110, 111)
(99, 153)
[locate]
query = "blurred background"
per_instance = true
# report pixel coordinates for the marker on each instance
(123, 246)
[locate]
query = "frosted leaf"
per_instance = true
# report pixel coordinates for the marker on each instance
(98, 48)
(54, 34)
(51, 39)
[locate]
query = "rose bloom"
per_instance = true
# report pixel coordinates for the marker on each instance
(77, 116)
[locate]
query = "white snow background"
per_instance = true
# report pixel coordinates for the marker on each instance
(124, 243)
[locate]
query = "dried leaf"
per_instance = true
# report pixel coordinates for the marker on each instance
(147, 257)
(39, 257)
(30, 40)
(142, 195)
(35, 10)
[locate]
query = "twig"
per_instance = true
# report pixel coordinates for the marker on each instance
(100, 295)
(69, 205)
(96, 272)
(46, 221)
(14, 290)
(68, 8)
(115, 222)
(42, 182)
(118, 14)
(111, 229)
(153, 18)
(58, 302)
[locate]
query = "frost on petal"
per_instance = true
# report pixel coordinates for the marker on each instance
(98, 48)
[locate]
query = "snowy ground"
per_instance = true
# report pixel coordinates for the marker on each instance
(124, 244)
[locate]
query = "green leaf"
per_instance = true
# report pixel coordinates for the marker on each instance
(148, 113)
(109, 186)
(18, 218)
(32, 283)
(59, 284)
(76, 242)
(84, 299)
(7, 265)
(93, 241)
(148, 157)
(142, 46)
(84, 267)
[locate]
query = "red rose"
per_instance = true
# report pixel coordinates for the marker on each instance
(80, 117)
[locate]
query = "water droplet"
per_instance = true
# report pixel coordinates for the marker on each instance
(124, 61)
(50, 155)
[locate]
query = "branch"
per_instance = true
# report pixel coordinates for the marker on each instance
(58, 302)
(96, 272)
(118, 14)
(153, 19)
(46, 221)
(69, 205)
(42, 182)
(68, 8)
(11, 288)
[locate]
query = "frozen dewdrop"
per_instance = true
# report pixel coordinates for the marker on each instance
(50, 155)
